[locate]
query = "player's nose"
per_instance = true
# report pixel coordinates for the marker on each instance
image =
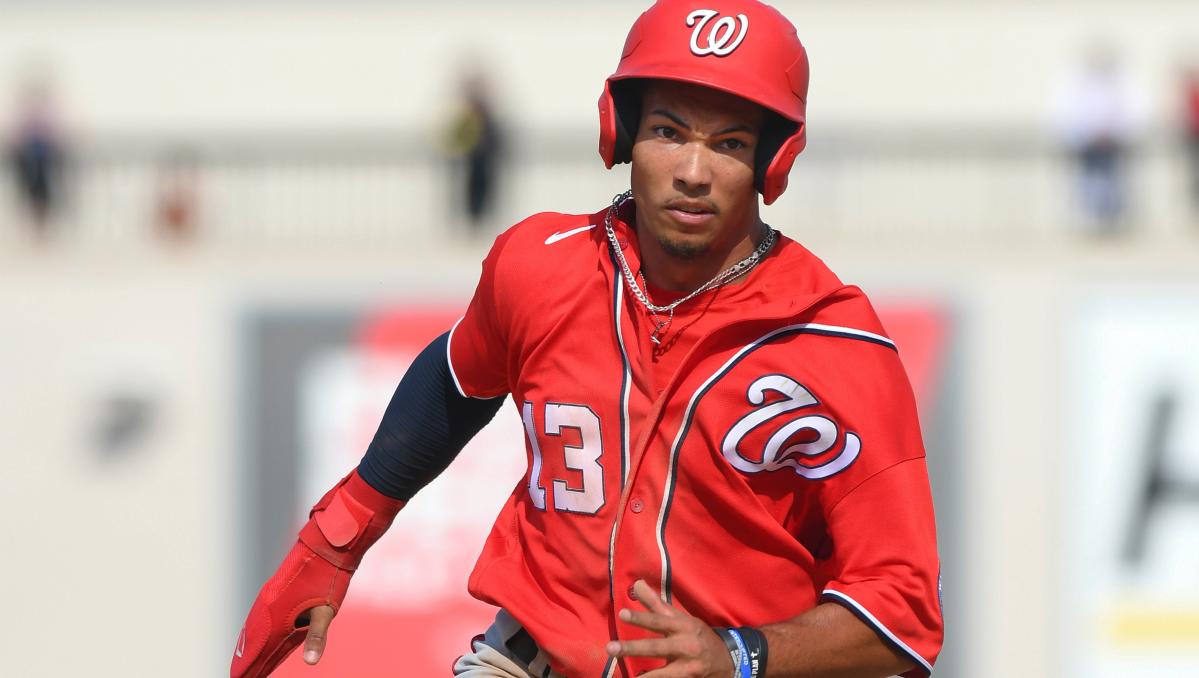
(692, 166)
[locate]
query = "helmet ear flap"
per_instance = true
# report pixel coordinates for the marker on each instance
(608, 134)
(775, 132)
(773, 161)
(626, 107)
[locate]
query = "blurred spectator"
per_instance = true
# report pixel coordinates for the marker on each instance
(1096, 120)
(477, 145)
(37, 154)
(177, 196)
(1191, 119)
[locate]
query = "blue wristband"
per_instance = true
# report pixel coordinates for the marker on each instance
(742, 652)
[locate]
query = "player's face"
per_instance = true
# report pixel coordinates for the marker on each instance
(693, 168)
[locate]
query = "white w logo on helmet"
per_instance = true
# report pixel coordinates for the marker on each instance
(720, 35)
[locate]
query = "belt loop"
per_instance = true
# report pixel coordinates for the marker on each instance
(522, 647)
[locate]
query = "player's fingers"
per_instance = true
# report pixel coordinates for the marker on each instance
(653, 621)
(650, 599)
(649, 647)
(318, 619)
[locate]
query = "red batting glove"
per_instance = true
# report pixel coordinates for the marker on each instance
(341, 527)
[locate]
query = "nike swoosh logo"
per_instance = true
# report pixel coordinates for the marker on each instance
(241, 644)
(562, 235)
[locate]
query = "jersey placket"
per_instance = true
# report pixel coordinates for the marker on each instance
(637, 549)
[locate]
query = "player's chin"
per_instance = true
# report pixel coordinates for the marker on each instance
(682, 245)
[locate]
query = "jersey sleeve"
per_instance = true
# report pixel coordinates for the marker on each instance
(885, 567)
(477, 350)
(878, 510)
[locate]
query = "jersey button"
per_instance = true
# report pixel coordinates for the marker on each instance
(624, 243)
(632, 596)
(636, 505)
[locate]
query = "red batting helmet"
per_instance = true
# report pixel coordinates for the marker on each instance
(742, 47)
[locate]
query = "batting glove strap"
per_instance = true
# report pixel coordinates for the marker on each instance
(348, 520)
(747, 649)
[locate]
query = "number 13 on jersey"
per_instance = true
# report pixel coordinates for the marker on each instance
(587, 494)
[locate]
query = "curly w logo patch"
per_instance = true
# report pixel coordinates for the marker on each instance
(805, 444)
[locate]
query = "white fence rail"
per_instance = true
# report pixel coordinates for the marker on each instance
(391, 188)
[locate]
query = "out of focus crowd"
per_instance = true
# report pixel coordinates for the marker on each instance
(1098, 116)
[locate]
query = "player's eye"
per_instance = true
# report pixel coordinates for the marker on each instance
(732, 144)
(665, 132)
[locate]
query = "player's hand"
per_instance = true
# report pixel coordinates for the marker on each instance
(295, 607)
(297, 604)
(690, 647)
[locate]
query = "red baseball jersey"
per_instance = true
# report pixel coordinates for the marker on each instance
(779, 466)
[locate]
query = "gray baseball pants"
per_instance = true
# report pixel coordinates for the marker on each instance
(498, 654)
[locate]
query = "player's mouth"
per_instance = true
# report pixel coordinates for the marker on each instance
(691, 212)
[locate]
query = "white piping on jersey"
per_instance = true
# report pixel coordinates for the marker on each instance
(618, 307)
(844, 330)
(672, 460)
(450, 362)
(880, 627)
(624, 396)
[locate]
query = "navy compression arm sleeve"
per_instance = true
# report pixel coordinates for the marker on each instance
(426, 425)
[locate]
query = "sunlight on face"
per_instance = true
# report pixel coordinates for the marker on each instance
(693, 167)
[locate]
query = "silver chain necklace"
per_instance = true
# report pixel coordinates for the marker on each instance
(731, 273)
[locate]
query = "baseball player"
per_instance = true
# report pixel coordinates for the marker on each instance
(725, 471)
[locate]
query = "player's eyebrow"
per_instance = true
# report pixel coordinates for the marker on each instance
(674, 118)
(735, 128)
(681, 123)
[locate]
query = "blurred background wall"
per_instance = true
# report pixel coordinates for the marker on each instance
(226, 227)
